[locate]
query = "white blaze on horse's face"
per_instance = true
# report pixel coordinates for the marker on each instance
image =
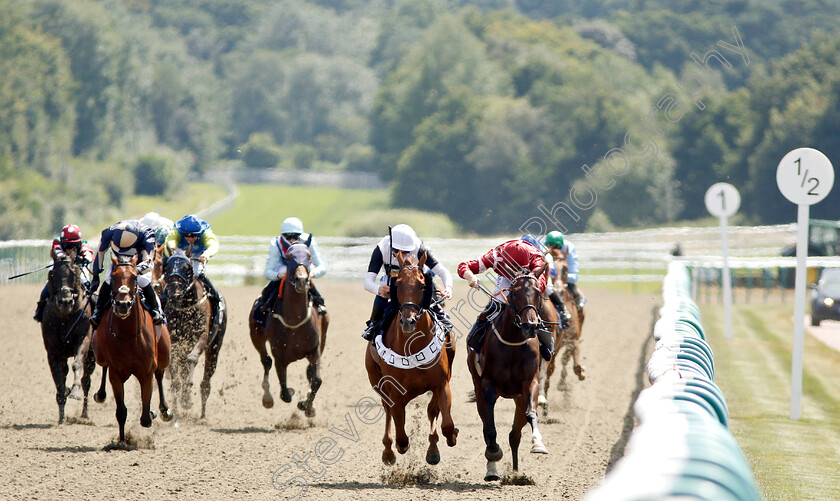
(123, 289)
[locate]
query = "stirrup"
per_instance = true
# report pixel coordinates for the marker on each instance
(370, 331)
(157, 317)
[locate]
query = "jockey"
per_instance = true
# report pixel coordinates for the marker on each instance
(555, 240)
(402, 241)
(69, 240)
(552, 294)
(194, 236)
(126, 238)
(508, 260)
(291, 231)
(160, 225)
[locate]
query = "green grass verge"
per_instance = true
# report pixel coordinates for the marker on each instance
(790, 459)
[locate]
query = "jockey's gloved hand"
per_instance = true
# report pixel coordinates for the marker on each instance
(143, 267)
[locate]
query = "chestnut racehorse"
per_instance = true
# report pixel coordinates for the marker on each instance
(65, 328)
(191, 329)
(128, 344)
(509, 367)
(412, 357)
(295, 331)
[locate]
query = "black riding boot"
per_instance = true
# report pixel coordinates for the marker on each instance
(564, 315)
(42, 302)
(475, 338)
(269, 291)
(154, 304)
(579, 299)
(375, 318)
(546, 344)
(317, 299)
(101, 304)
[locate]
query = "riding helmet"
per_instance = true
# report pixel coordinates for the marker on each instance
(404, 238)
(71, 234)
(554, 238)
(291, 225)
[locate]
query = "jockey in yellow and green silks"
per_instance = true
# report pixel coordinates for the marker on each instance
(194, 235)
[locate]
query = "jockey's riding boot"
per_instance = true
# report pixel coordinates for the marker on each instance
(579, 299)
(154, 305)
(371, 328)
(442, 317)
(101, 304)
(42, 301)
(546, 344)
(39, 310)
(475, 338)
(564, 315)
(317, 299)
(265, 296)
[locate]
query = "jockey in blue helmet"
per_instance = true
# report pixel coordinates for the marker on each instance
(552, 294)
(194, 236)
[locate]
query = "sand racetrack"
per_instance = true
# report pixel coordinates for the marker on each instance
(244, 451)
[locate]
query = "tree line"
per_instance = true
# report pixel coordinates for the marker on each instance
(486, 110)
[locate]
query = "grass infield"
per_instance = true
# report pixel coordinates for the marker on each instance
(791, 460)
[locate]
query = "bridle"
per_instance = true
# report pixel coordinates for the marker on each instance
(517, 314)
(132, 294)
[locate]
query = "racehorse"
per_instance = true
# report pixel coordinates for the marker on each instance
(294, 331)
(65, 328)
(413, 356)
(127, 343)
(191, 329)
(568, 341)
(509, 367)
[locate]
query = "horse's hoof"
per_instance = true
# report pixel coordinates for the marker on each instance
(433, 458)
(146, 422)
(453, 439)
(166, 415)
(541, 400)
(538, 448)
(492, 473)
(402, 449)
(287, 395)
(493, 455)
(99, 398)
(268, 401)
(75, 393)
(388, 457)
(579, 372)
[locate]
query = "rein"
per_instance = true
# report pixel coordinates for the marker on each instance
(305, 291)
(133, 303)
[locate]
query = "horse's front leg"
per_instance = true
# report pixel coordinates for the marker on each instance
(286, 393)
(88, 367)
(99, 396)
(211, 359)
(580, 371)
(519, 420)
(165, 413)
(313, 374)
(388, 456)
(485, 401)
(119, 398)
(398, 412)
(432, 412)
(58, 369)
(78, 368)
(447, 425)
(146, 400)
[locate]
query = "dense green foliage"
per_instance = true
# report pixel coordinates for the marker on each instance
(493, 112)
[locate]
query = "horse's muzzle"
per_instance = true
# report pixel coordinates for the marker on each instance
(529, 329)
(123, 308)
(408, 324)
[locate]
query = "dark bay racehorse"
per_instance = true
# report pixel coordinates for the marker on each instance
(191, 329)
(295, 331)
(509, 367)
(412, 357)
(126, 343)
(66, 332)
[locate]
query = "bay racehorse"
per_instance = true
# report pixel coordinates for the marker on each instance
(65, 328)
(294, 331)
(157, 269)
(412, 357)
(192, 329)
(509, 367)
(568, 340)
(127, 343)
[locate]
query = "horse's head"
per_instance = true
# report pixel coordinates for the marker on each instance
(65, 283)
(298, 261)
(157, 269)
(411, 284)
(123, 284)
(525, 300)
(178, 276)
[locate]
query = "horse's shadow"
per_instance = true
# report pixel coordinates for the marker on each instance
(68, 448)
(29, 426)
(449, 485)
(242, 431)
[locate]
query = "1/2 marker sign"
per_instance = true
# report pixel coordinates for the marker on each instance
(805, 176)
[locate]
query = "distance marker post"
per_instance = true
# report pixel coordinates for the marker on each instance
(805, 176)
(723, 200)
